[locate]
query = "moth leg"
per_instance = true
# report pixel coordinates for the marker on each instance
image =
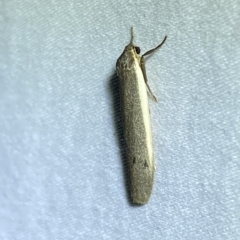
(142, 64)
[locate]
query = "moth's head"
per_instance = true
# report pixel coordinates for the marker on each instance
(137, 49)
(132, 48)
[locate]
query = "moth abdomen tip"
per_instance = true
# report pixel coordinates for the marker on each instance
(140, 201)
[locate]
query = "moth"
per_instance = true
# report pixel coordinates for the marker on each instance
(134, 91)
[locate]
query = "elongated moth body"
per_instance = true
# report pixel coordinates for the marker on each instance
(136, 120)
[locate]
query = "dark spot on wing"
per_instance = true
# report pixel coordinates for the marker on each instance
(145, 164)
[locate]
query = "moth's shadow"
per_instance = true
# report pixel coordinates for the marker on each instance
(114, 85)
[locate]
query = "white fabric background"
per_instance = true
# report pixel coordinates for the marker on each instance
(61, 164)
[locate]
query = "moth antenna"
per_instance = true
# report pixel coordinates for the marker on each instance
(132, 35)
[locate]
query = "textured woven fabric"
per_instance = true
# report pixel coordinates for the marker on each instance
(62, 170)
